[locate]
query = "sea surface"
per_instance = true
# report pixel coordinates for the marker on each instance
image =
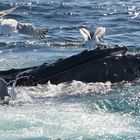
(74, 110)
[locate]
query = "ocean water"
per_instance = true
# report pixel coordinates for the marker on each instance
(74, 110)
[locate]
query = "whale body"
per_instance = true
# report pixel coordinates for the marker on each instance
(98, 65)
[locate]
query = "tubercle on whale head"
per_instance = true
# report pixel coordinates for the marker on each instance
(135, 63)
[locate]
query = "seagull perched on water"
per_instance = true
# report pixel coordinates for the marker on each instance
(10, 26)
(92, 38)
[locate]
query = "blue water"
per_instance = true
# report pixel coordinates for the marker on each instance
(75, 110)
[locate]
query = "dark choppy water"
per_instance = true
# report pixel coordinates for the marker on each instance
(74, 111)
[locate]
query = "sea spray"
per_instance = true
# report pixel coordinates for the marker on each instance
(18, 76)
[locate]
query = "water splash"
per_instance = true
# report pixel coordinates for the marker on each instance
(13, 93)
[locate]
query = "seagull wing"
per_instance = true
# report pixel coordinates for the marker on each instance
(99, 33)
(85, 33)
(30, 30)
(5, 12)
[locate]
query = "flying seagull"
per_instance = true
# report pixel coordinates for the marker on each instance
(92, 38)
(10, 26)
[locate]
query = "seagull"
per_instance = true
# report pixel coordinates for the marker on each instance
(10, 26)
(92, 39)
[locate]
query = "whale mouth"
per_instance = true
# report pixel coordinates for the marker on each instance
(120, 53)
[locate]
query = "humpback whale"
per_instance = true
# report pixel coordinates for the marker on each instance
(112, 64)
(97, 65)
(10, 26)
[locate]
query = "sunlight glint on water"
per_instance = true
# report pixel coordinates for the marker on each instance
(75, 110)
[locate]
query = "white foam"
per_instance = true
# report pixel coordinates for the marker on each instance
(43, 93)
(26, 94)
(64, 121)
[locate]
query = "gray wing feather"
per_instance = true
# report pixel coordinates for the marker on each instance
(99, 33)
(85, 33)
(5, 12)
(30, 30)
